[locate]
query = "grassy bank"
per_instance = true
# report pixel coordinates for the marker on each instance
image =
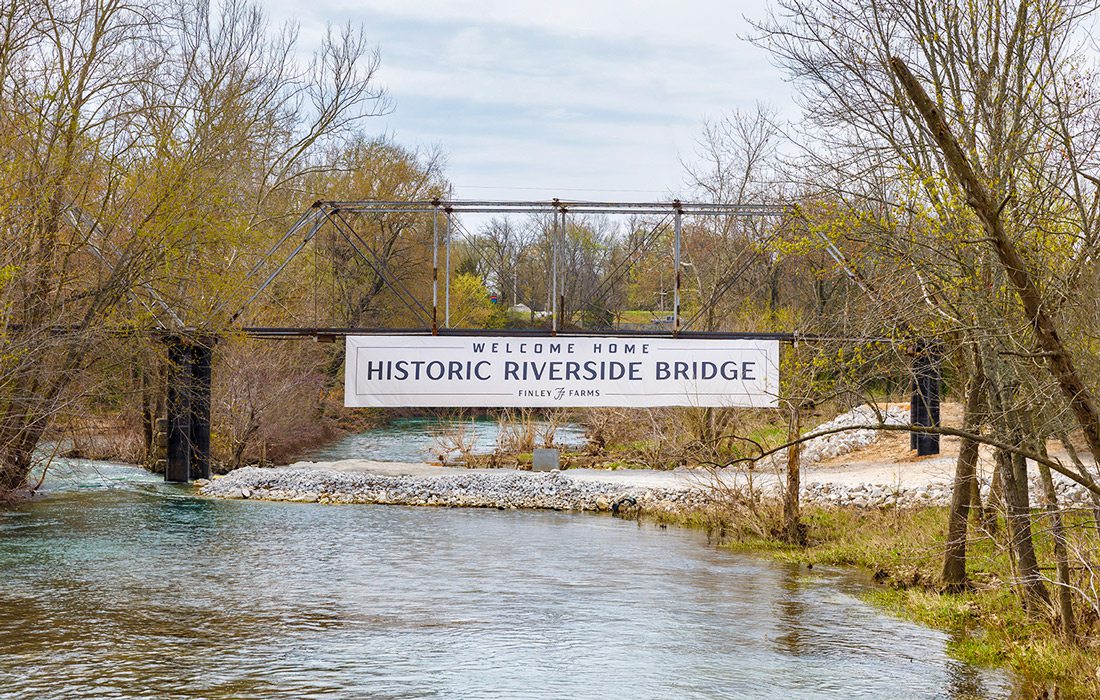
(902, 551)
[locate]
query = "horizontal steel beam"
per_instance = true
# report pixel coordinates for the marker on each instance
(208, 336)
(646, 212)
(305, 332)
(549, 206)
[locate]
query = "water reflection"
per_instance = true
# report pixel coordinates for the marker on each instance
(966, 682)
(790, 610)
(806, 631)
(148, 592)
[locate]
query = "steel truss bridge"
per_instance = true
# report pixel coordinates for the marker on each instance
(190, 349)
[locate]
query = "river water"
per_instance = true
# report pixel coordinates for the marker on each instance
(115, 584)
(423, 439)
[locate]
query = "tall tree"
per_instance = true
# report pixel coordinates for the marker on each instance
(968, 133)
(142, 142)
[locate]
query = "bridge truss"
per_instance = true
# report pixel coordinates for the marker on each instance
(344, 219)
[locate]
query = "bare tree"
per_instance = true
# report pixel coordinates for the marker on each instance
(142, 144)
(961, 138)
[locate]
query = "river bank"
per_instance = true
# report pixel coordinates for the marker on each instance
(411, 484)
(901, 550)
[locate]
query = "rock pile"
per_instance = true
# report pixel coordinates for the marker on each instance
(539, 490)
(557, 491)
(933, 494)
(845, 441)
(876, 495)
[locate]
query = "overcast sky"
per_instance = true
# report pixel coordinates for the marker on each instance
(588, 99)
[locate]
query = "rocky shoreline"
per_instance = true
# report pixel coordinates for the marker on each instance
(529, 490)
(552, 491)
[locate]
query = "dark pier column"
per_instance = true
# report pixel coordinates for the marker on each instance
(178, 467)
(924, 408)
(201, 356)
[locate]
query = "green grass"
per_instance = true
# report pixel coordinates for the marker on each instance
(767, 436)
(642, 315)
(988, 628)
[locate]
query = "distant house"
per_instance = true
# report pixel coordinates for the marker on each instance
(520, 309)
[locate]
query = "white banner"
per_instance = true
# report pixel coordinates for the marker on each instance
(399, 371)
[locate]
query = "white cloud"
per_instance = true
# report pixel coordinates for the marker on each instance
(684, 20)
(594, 94)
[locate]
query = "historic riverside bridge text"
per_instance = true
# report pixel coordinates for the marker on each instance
(403, 370)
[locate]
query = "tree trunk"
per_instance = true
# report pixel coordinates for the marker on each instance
(999, 504)
(1014, 473)
(14, 473)
(995, 501)
(147, 395)
(1063, 593)
(954, 559)
(988, 209)
(977, 508)
(793, 532)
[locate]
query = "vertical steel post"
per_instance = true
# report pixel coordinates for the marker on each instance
(435, 268)
(178, 467)
(561, 249)
(201, 360)
(447, 279)
(550, 270)
(554, 274)
(676, 267)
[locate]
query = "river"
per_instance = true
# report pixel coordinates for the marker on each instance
(115, 584)
(423, 439)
